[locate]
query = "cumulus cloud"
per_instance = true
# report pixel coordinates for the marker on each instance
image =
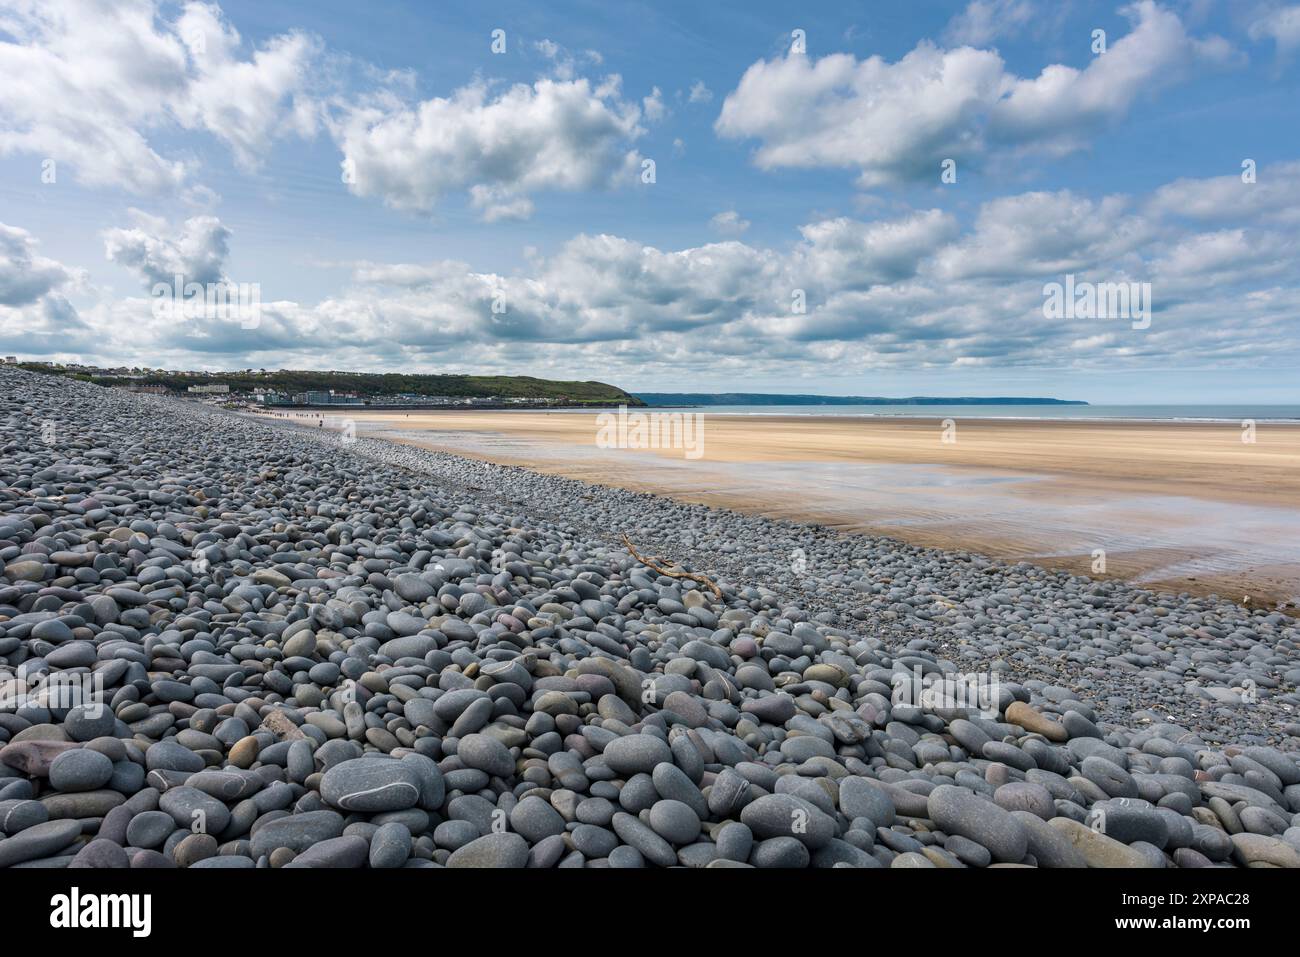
(96, 86)
(49, 327)
(916, 290)
(35, 315)
(1281, 24)
(25, 275)
(1227, 255)
(846, 254)
(729, 222)
(1040, 233)
(1273, 197)
(551, 135)
(652, 106)
(1062, 107)
(246, 103)
(89, 83)
(898, 121)
(887, 120)
(156, 252)
(499, 203)
(101, 87)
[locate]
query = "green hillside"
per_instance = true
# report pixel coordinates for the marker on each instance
(367, 384)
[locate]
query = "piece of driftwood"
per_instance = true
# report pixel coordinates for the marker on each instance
(672, 572)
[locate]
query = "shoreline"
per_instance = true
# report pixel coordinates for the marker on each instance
(691, 537)
(1047, 492)
(950, 412)
(822, 412)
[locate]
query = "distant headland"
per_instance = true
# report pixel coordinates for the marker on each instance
(763, 398)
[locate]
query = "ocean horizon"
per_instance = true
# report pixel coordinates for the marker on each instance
(1137, 413)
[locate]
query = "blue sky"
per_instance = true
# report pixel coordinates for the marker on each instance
(214, 142)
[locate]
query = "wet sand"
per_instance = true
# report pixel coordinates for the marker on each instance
(1174, 505)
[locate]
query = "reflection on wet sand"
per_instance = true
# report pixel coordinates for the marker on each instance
(1166, 527)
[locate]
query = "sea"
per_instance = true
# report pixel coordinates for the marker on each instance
(1136, 413)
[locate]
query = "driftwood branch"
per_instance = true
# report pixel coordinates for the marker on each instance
(652, 563)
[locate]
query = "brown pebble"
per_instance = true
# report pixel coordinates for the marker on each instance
(195, 848)
(244, 752)
(281, 856)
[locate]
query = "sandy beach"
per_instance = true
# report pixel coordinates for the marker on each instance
(1176, 505)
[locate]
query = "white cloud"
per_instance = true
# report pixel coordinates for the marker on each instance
(653, 107)
(497, 204)
(89, 84)
(729, 222)
(888, 120)
(35, 314)
(1226, 259)
(551, 135)
(700, 93)
(156, 252)
(1273, 198)
(97, 86)
(898, 121)
(847, 254)
(27, 277)
(1060, 109)
(407, 275)
(1036, 234)
(917, 290)
(564, 64)
(49, 327)
(984, 21)
(913, 291)
(246, 103)
(607, 287)
(1281, 25)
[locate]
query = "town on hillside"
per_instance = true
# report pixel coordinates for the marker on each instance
(285, 388)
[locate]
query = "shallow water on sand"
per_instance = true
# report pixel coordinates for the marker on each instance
(1174, 542)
